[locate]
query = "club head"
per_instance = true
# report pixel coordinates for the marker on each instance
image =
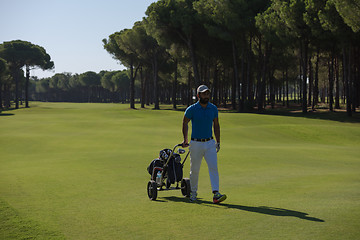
(181, 151)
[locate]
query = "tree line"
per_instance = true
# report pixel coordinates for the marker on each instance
(104, 87)
(252, 54)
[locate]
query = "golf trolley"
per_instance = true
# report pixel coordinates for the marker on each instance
(167, 170)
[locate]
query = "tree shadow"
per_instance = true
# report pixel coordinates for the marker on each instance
(6, 111)
(338, 116)
(6, 114)
(262, 209)
(179, 108)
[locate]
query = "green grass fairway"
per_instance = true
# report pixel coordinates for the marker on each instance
(78, 171)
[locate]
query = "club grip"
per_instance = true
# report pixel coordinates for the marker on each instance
(180, 145)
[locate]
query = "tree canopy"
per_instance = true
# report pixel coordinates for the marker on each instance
(18, 54)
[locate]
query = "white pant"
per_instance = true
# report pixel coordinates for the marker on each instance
(198, 150)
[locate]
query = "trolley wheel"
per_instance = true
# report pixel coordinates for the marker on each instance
(152, 190)
(168, 183)
(185, 187)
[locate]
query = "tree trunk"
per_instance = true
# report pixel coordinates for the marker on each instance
(346, 63)
(245, 77)
(357, 78)
(331, 82)
(287, 87)
(259, 74)
(304, 78)
(132, 84)
(272, 88)
(189, 92)
(310, 82)
(337, 84)
(132, 87)
(142, 83)
(174, 93)
(262, 87)
(1, 95)
(216, 86)
(27, 86)
(147, 84)
(224, 88)
(316, 84)
(352, 55)
(156, 88)
(249, 81)
(6, 96)
(16, 78)
(299, 93)
(236, 75)
(242, 81)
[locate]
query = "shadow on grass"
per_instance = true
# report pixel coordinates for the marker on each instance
(339, 116)
(7, 110)
(6, 114)
(292, 111)
(321, 114)
(262, 209)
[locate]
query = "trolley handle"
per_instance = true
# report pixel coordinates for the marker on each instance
(172, 153)
(180, 145)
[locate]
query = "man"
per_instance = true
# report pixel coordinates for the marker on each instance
(203, 116)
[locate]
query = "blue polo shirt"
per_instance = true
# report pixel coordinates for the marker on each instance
(201, 119)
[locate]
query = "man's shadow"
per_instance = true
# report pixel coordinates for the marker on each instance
(262, 209)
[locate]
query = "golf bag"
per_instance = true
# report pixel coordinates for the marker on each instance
(175, 169)
(155, 163)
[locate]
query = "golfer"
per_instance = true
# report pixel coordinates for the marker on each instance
(203, 116)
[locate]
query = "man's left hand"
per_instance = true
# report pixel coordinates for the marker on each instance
(217, 147)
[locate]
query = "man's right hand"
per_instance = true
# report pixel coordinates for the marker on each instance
(185, 144)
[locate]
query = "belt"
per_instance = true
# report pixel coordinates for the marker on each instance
(201, 139)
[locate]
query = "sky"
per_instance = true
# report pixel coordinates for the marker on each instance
(71, 31)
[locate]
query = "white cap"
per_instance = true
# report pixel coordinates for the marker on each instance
(202, 88)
